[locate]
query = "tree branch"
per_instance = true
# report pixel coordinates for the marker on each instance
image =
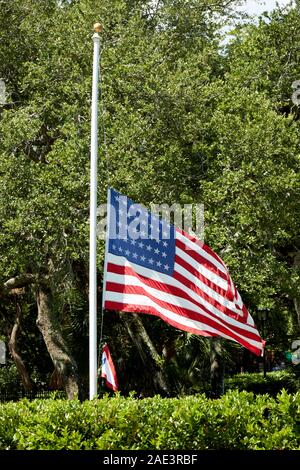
(16, 282)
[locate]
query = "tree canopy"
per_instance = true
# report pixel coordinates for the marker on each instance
(182, 119)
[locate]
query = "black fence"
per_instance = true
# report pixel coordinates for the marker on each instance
(38, 394)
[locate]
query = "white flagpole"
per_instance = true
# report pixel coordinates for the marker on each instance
(93, 220)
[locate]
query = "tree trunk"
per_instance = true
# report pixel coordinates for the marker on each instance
(296, 265)
(216, 368)
(146, 350)
(50, 328)
(13, 349)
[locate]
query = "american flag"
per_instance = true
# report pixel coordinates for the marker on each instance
(155, 268)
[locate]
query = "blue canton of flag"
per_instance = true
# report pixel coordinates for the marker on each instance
(139, 236)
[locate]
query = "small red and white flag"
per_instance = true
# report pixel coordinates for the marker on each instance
(108, 371)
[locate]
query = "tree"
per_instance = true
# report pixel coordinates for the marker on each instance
(45, 134)
(174, 110)
(251, 187)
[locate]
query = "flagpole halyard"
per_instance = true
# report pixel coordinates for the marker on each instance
(93, 220)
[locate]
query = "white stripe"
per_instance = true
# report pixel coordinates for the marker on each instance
(209, 275)
(194, 246)
(168, 280)
(134, 299)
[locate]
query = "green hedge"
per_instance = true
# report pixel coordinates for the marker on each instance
(256, 383)
(236, 421)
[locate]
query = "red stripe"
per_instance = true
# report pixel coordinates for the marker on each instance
(151, 311)
(185, 264)
(200, 259)
(202, 245)
(183, 311)
(226, 310)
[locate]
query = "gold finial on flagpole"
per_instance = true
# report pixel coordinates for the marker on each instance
(98, 28)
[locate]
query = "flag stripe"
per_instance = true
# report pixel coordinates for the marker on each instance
(205, 256)
(118, 272)
(215, 282)
(133, 302)
(186, 277)
(169, 286)
(202, 245)
(200, 265)
(175, 305)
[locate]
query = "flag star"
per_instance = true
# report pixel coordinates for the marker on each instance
(117, 198)
(156, 251)
(133, 242)
(149, 247)
(165, 244)
(158, 263)
(164, 254)
(143, 258)
(127, 252)
(114, 246)
(141, 245)
(120, 249)
(166, 267)
(151, 260)
(135, 255)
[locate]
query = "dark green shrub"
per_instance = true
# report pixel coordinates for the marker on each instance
(10, 383)
(256, 383)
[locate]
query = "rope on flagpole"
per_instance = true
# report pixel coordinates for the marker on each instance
(102, 101)
(104, 275)
(107, 177)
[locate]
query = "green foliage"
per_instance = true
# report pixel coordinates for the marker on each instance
(256, 383)
(236, 421)
(9, 380)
